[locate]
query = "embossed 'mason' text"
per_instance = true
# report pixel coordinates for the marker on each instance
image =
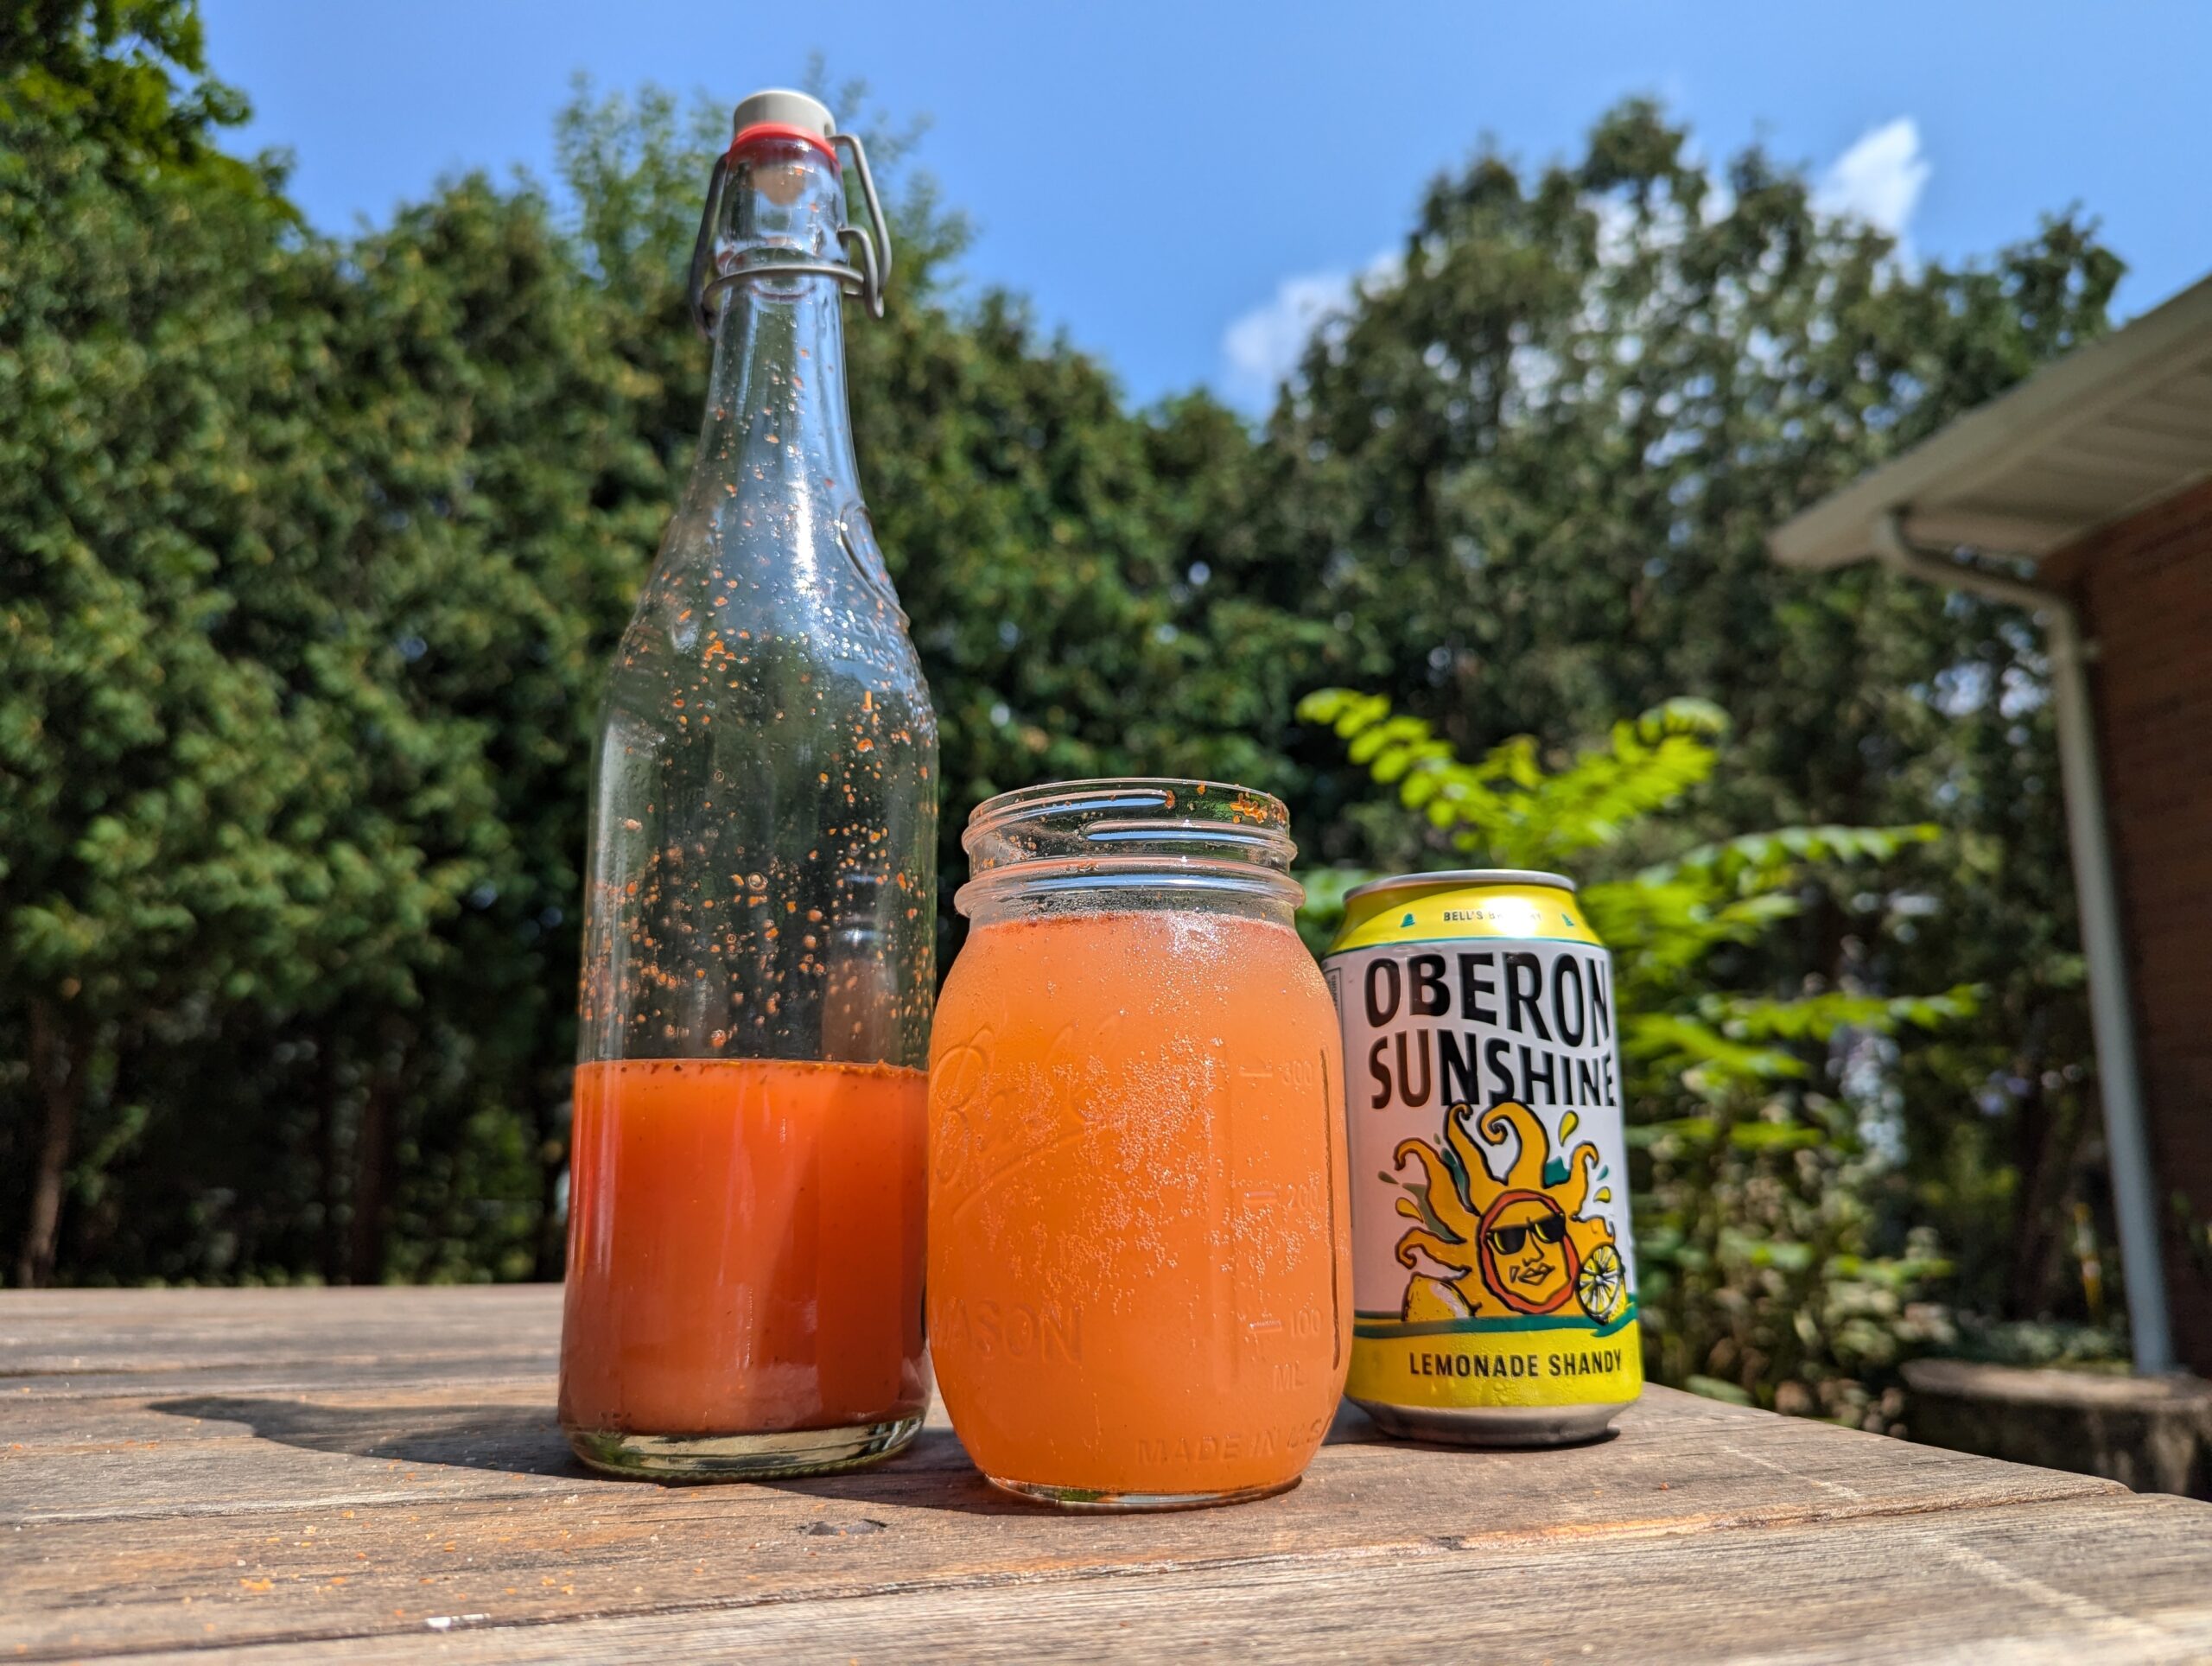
(1015, 1330)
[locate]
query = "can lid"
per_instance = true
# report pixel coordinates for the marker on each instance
(1461, 876)
(785, 112)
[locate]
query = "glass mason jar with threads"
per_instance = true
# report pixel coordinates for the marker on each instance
(1139, 1292)
(745, 1229)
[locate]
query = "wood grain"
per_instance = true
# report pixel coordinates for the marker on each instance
(63, 1344)
(2016, 1585)
(274, 1470)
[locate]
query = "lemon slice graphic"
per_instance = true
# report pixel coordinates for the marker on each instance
(1602, 1288)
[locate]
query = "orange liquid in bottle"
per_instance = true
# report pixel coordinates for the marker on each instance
(1139, 1278)
(745, 1247)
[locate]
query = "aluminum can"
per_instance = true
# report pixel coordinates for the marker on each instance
(1493, 1274)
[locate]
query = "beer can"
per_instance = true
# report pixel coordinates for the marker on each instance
(1493, 1276)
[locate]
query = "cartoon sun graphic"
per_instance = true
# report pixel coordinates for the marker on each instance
(1516, 1242)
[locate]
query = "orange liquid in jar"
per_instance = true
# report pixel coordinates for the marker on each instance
(745, 1247)
(1139, 1276)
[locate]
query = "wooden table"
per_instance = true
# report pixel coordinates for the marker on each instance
(376, 1475)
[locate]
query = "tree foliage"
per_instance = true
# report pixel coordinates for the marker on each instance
(1757, 1214)
(311, 550)
(1529, 473)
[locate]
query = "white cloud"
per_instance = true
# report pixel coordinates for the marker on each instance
(1260, 348)
(1880, 179)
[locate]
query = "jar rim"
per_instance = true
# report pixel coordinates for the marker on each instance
(1150, 789)
(1127, 833)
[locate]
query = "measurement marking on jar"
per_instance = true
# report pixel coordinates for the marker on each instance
(1293, 1074)
(1336, 1294)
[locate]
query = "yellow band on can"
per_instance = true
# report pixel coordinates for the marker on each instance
(1441, 1369)
(1543, 914)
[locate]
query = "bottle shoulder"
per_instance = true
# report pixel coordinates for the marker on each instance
(787, 545)
(775, 667)
(778, 566)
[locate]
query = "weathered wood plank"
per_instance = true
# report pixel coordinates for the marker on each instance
(2121, 1579)
(67, 1342)
(272, 1468)
(408, 1524)
(45, 1330)
(118, 1458)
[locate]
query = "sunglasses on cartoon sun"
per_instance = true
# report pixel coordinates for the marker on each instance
(1507, 1240)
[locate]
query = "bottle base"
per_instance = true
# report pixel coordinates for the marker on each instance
(1494, 1426)
(1105, 1501)
(765, 1457)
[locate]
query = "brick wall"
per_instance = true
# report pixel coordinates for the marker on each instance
(2145, 587)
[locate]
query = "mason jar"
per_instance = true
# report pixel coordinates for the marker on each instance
(1139, 1274)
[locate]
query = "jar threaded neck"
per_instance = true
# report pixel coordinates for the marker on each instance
(1179, 837)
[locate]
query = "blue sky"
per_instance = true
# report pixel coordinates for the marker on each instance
(1178, 184)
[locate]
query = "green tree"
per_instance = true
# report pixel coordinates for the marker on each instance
(313, 549)
(165, 790)
(446, 452)
(109, 71)
(307, 547)
(467, 560)
(1764, 1267)
(1528, 475)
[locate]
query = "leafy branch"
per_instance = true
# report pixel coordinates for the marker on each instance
(1752, 1235)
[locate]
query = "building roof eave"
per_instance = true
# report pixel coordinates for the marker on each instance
(2114, 426)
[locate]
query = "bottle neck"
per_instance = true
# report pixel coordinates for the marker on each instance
(776, 423)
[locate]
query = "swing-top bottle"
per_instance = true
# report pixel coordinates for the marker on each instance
(744, 1245)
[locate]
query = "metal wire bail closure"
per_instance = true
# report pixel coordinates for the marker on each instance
(869, 246)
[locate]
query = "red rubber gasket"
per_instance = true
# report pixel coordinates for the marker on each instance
(783, 130)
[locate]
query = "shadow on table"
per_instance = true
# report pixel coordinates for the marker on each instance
(933, 1474)
(526, 1439)
(519, 1440)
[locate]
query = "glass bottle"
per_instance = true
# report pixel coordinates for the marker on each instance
(1139, 1283)
(744, 1245)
